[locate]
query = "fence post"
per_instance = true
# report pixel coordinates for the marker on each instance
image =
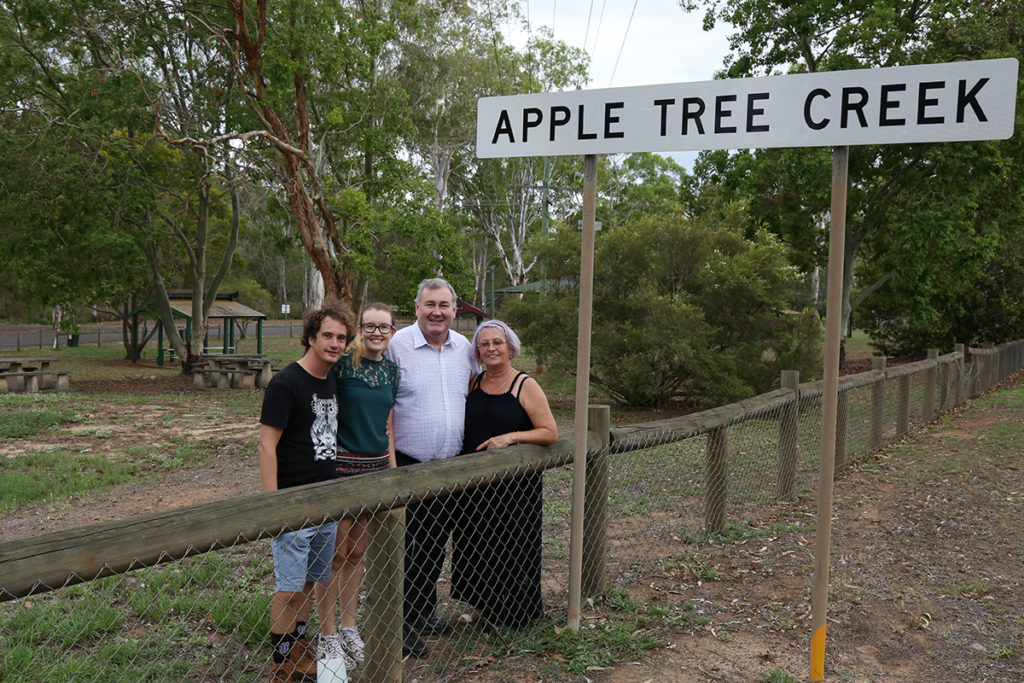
(991, 366)
(19, 341)
(961, 373)
(787, 436)
(997, 366)
(385, 573)
(842, 426)
(903, 405)
(928, 404)
(878, 403)
(945, 377)
(595, 505)
(715, 482)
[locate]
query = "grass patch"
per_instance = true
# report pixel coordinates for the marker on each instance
(859, 343)
(732, 534)
(56, 474)
(777, 676)
(24, 415)
(182, 456)
(162, 623)
(596, 645)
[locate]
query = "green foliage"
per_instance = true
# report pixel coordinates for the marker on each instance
(681, 309)
(637, 185)
(932, 230)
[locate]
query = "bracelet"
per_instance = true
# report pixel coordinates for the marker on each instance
(517, 437)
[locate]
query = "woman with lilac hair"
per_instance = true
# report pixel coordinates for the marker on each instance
(497, 539)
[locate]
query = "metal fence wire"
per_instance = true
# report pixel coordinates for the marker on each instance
(186, 594)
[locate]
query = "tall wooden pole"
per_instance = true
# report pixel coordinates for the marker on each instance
(579, 472)
(829, 408)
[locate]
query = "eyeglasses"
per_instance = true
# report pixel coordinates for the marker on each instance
(496, 343)
(370, 329)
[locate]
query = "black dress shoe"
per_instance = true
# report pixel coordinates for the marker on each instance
(432, 626)
(412, 644)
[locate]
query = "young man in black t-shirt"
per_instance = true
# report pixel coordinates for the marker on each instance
(299, 423)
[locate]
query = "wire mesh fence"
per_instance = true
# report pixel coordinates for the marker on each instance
(482, 543)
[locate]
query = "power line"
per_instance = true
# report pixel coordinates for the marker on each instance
(586, 34)
(600, 21)
(624, 35)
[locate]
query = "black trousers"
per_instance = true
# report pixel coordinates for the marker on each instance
(428, 524)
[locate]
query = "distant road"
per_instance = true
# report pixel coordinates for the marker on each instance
(27, 337)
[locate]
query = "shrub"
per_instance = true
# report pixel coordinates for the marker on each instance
(681, 309)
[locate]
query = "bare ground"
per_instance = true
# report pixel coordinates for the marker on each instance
(927, 582)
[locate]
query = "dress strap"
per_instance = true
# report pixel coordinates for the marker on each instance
(516, 379)
(476, 381)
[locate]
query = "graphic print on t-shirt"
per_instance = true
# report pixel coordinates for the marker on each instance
(325, 427)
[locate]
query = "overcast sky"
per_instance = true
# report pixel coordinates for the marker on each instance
(638, 42)
(642, 42)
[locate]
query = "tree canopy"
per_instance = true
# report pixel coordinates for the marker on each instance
(914, 210)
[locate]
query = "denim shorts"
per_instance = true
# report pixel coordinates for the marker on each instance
(303, 556)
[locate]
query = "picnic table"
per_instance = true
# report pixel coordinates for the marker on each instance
(30, 375)
(232, 370)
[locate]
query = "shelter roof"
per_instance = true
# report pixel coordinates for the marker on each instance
(219, 309)
(539, 286)
(463, 308)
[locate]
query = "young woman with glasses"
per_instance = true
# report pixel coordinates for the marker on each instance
(367, 383)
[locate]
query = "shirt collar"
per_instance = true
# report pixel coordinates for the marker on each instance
(419, 340)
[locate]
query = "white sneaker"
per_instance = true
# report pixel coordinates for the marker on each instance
(331, 647)
(353, 644)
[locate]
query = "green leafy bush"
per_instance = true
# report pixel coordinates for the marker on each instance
(682, 308)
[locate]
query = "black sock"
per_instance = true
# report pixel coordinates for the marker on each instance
(300, 630)
(281, 643)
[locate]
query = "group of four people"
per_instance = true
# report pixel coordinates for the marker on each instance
(366, 398)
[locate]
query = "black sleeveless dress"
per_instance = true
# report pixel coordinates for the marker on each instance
(497, 537)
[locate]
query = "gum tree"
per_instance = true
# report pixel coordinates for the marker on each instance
(898, 236)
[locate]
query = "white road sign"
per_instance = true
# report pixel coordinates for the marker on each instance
(958, 101)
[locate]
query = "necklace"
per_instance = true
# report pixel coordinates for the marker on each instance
(497, 383)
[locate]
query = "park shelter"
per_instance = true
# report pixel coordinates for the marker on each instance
(224, 309)
(465, 309)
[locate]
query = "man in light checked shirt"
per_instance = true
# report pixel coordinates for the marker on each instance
(435, 365)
